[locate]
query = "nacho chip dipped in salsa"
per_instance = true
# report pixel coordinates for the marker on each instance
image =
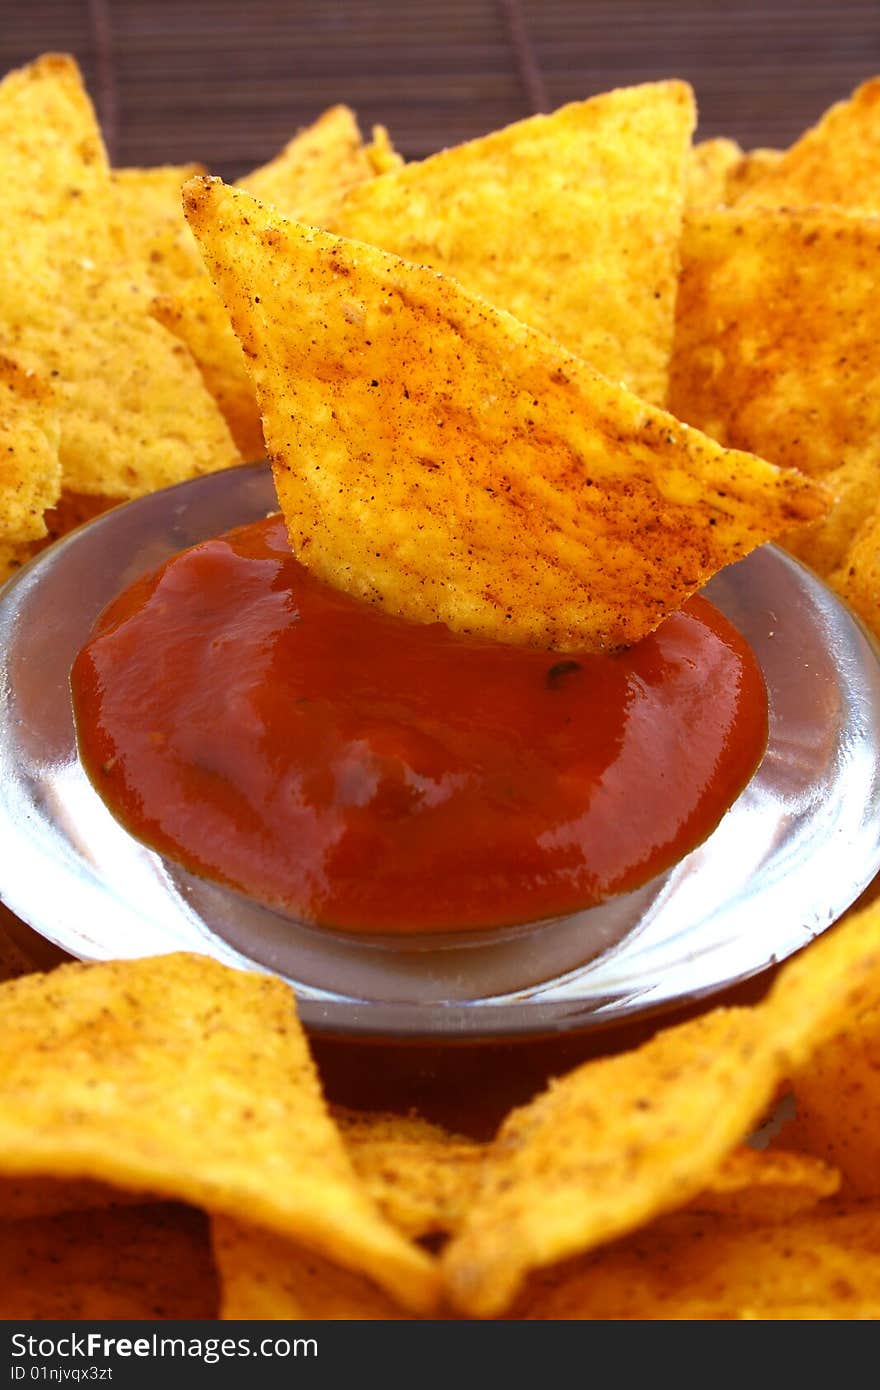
(471, 746)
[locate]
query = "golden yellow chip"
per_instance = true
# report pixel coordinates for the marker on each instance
(307, 179)
(420, 1176)
(54, 165)
(264, 1276)
(569, 221)
(778, 350)
(433, 454)
(752, 167)
(837, 1101)
(857, 577)
(710, 166)
(623, 1139)
(26, 1198)
(194, 314)
(699, 1268)
(760, 1185)
(30, 469)
(836, 164)
(12, 557)
(380, 152)
(132, 409)
(148, 1262)
(184, 1078)
(825, 985)
(606, 1148)
(148, 205)
(309, 176)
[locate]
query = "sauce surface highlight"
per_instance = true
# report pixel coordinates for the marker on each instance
(367, 774)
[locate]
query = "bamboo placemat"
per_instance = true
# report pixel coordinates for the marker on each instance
(227, 81)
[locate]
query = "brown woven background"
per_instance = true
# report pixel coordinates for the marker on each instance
(227, 81)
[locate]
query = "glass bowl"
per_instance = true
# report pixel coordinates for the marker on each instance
(792, 853)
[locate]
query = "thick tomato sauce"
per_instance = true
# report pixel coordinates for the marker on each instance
(364, 773)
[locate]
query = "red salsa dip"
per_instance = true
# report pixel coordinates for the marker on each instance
(363, 773)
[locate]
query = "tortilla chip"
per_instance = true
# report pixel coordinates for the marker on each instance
(132, 410)
(54, 163)
(845, 1308)
(148, 205)
(158, 236)
(609, 1146)
(196, 316)
(758, 1185)
(23, 1199)
(149, 1262)
(778, 351)
(30, 470)
(825, 985)
(837, 1101)
(420, 1176)
(857, 578)
(569, 221)
(264, 1276)
(835, 985)
(623, 1139)
(309, 176)
(187, 1079)
(12, 557)
(702, 1268)
(380, 152)
(752, 167)
(711, 164)
(307, 179)
(434, 455)
(836, 164)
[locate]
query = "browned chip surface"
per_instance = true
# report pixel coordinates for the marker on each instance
(703, 1268)
(307, 180)
(435, 455)
(25, 1198)
(625, 1138)
(181, 1077)
(606, 1148)
(263, 1276)
(149, 1262)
